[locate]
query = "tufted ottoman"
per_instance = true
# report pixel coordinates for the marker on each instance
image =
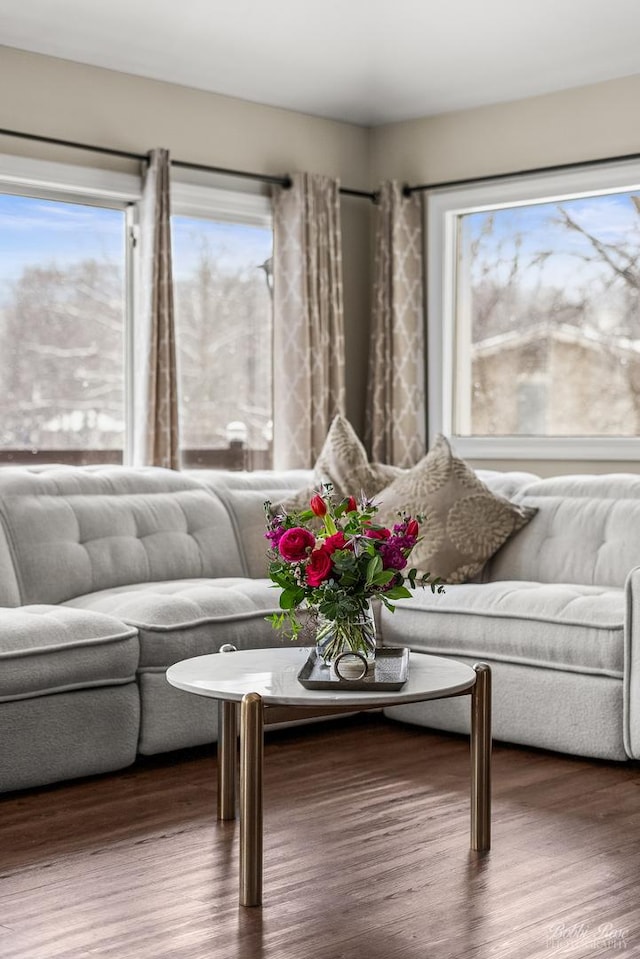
(70, 703)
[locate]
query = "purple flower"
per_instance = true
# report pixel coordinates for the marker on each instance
(392, 556)
(405, 535)
(403, 542)
(275, 533)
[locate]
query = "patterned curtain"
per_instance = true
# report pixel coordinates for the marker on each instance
(308, 368)
(155, 430)
(396, 411)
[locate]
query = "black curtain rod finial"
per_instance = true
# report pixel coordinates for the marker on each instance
(406, 191)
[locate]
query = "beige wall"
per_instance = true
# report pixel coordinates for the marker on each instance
(564, 127)
(57, 98)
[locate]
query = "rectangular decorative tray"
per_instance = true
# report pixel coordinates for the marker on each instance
(389, 672)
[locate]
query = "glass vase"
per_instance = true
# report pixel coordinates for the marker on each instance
(355, 634)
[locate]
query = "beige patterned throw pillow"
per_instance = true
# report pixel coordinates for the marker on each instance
(343, 462)
(465, 523)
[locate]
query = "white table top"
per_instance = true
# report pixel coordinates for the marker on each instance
(272, 673)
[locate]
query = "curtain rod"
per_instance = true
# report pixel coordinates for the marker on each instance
(408, 190)
(283, 181)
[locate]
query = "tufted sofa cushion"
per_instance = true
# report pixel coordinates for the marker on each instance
(244, 495)
(45, 650)
(190, 617)
(586, 530)
(73, 531)
(506, 484)
(568, 627)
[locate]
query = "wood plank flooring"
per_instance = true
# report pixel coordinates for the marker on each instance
(366, 856)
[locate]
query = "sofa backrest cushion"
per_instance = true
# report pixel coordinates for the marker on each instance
(244, 495)
(73, 531)
(506, 484)
(586, 530)
(9, 588)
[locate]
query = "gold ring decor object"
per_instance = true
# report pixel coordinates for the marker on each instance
(350, 679)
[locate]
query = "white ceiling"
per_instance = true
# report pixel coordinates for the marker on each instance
(365, 61)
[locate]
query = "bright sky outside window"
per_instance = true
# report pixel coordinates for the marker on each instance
(62, 312)
(223, 325)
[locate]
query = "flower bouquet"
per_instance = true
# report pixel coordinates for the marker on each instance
(331, 560)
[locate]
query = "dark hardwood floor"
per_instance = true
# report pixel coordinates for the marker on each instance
(366, 857)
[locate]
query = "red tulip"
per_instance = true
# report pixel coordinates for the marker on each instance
(351, 505)
(413, 528)
(318, 505)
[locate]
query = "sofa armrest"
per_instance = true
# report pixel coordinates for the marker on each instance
(632, 665)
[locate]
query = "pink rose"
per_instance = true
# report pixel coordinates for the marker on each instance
(295, 543)
(378, 533)
(318, 567)
(336, 541)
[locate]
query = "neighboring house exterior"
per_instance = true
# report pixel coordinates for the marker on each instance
(555, 380)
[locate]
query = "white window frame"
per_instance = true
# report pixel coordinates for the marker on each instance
(25, 176)
(198, 194)
(192, 194)
(441, 211)
(211, 202)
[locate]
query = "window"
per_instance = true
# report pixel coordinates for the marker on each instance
(538, 285)
(222, 275)
(66, 294)
(62, 321)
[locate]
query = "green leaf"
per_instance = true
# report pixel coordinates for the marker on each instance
(374, 566)
(436, 584)
(381, 579)
(344, 561)
(291, 597)
(398, 592)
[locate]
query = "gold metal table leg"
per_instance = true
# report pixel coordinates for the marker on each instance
(251, 771)
(227, 758)
(481, 758)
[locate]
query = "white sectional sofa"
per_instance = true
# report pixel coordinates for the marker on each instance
(109, 575)
(557, 615)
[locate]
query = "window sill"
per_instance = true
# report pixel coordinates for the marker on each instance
(77, 457)
(547, 448)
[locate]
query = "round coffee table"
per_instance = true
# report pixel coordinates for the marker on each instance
(264, 681)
